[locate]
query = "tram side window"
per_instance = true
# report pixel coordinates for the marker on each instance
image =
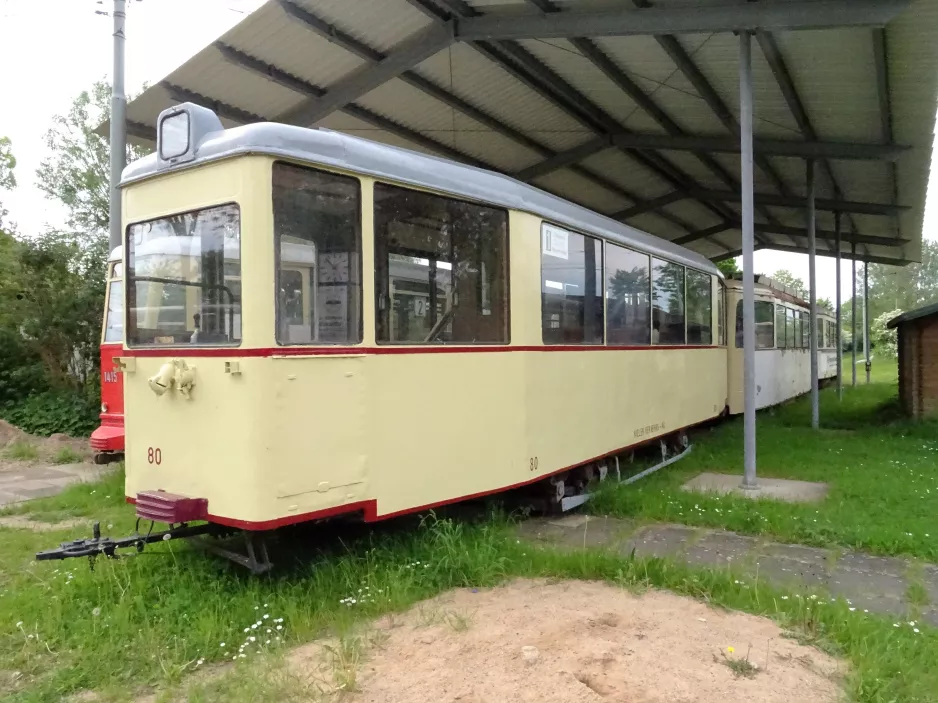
(441, 269)
(699, 308)
(765, 324)
(628, 288)
(780, 340)
(571, 287)
(114, 321)
(317, 239)
(667, 295)
(183, 279)
(790, 336)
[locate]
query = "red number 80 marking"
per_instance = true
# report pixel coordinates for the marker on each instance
(155, 456)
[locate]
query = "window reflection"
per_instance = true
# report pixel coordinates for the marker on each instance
(668, 301)
(699, 308)
(317, 227)
(765, 324)
(628, 314)
(441, 269)
(571, 287)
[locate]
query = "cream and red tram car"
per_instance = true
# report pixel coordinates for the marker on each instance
(783, 344)
(318, 324)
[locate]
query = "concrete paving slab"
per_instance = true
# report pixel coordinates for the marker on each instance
(37, 492)
(721, 549)
(866, 563)
(661, 541)
(810, 556)
(782, 572)
(774, 488)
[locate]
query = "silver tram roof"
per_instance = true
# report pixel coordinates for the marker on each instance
(209, 141)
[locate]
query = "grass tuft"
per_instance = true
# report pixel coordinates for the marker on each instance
(22, 450)
(67, 455)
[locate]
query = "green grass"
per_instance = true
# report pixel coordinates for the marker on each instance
(22, 450)
(882, 471)
(159, 619)
(67, 455)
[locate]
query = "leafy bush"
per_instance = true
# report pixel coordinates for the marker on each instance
(70, 412)
(21, 371)
(885, 341)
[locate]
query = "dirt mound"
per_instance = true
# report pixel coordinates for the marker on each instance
(577, 641)
(9, 433)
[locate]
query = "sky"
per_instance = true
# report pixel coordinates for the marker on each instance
(161, 35)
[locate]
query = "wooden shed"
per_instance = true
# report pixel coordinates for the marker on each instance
(918, 360)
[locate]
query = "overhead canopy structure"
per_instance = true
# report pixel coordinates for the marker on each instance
(629, 107)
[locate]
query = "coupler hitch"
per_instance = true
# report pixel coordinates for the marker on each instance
(108, 546)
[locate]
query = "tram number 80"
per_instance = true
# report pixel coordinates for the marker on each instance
(154, 456)
(532, 463)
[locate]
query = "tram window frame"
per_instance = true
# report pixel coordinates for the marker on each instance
(763, 334)
(781, 341)
(490, 311)
(568, 324)
(721, 314)
(626, 334)
(705, 329)
(664, 264)
(231, 315)
(317, 291)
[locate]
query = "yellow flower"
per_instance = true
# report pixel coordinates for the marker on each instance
(730, 650)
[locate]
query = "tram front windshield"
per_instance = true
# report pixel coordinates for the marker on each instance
(183, 280)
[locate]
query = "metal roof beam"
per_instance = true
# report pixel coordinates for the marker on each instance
(845, 255)
(373, 56)
(727, 145)
(298, 85)
(645, 101)
(703, 233)
(686, 65)
(765, 16)
(767, 147)
(773, 56)
(648, 206)
(405, 56)
(802, 233)
(565, 159)
(799, 202)
(241, 116)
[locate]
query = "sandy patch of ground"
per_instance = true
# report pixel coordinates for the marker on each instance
(47, 448)
(591, 642)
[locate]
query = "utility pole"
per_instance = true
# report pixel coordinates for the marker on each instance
(118, 124)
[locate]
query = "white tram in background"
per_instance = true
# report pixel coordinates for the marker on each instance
(783, 343)
(318, 324)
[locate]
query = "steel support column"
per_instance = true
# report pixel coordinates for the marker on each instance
(749, 316)
(812, 288)
(118, 126)
(840, 353)
(853, 316)
(866, 318)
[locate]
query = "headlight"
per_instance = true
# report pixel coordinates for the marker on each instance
(174, 135)
(104, 407)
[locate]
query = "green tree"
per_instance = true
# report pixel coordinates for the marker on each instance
(7, 177)
(787, 278)
(728, 267)
(77, 172)
(826, 305)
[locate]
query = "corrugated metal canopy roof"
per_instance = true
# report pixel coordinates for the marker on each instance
(625, 106)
